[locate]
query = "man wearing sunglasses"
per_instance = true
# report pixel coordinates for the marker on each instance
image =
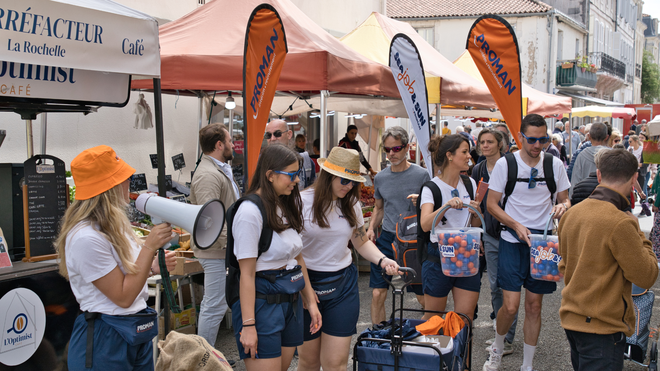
(526, 211)
(391, 187)
(277, 132)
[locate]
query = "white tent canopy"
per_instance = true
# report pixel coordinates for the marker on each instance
(94, 35)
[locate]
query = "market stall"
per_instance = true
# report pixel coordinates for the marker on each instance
(59, 54)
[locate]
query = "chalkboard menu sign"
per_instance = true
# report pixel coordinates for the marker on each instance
(154, 161)
(138, 182)
(45, 178)
(179, 162)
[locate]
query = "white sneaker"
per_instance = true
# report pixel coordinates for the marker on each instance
(508, 347)
(526, 369)
(494, 361)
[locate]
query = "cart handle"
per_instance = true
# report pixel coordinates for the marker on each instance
(407, 277)
(446, 207)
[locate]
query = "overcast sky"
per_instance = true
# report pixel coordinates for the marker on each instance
(652, 7)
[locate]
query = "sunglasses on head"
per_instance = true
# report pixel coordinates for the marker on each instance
(293, 175)
(532, 140)
(533, 174)
(345, 181)
(277, 134)
(393, 149)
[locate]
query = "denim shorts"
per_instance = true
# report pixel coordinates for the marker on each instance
(513, 270)
(340, 314)
(438, 285)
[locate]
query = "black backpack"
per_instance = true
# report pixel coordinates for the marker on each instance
(512, 177)
(423, 238)
(232, 284)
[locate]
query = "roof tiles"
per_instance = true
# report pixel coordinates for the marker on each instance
(461, 8)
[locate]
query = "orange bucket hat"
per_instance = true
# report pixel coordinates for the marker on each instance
(97, 170)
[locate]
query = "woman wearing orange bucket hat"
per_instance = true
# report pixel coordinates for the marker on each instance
(333, 217)
(107, 268)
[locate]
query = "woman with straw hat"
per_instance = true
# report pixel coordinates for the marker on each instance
(267, 317)
(333, 217)
(108, 268)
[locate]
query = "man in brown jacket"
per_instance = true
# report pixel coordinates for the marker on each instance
(213, 179)
(603, 253)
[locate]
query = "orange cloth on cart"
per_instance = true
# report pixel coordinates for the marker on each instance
(451, 325)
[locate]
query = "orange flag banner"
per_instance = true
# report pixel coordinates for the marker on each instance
(493, 46)
(263, 59)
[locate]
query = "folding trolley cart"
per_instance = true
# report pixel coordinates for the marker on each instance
(394, 353)
(639, 343)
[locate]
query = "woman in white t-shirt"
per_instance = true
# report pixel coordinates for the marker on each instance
(267, 316)
(333, 217)
(107, 268)
(451, 156)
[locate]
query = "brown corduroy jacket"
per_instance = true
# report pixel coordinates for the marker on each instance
(603, 252)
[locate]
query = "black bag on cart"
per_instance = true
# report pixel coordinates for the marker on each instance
(405, 245)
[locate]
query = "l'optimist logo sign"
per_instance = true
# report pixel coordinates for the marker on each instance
(24, 321)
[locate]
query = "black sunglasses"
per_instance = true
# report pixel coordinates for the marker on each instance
(393, 149)
(532, 175)
(532, 140)
(277, 134)
(345, 181)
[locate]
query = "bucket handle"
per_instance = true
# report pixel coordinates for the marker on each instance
(547, 225)
(446, 207)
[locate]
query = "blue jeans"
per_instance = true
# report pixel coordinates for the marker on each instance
(213, 305)
(491, 249)
(596, 352)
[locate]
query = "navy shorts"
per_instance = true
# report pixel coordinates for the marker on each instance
(436, 284)
(376, 280)
(278, 325)
(513, 270)
(340, 314)
(111, 351)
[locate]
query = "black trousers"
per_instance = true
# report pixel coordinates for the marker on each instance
(596, 352)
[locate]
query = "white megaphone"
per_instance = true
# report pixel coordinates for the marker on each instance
(204, 222)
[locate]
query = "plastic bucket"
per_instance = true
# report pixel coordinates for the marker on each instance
(544, 256)
(459, 248)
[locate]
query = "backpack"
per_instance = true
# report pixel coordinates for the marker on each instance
(423, 238)
(512, 177)
(232, 284)
(405, 244)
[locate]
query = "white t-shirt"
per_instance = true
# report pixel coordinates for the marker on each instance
(326, 249)
(90, 256)
(637, 152)
(529, 207)
(455, 218)
(246, 229)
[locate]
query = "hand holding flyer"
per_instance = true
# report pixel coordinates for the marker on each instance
(482, 188)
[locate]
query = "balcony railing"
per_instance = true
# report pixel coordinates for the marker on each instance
(609, 64)
(638, 70)
(574, 75)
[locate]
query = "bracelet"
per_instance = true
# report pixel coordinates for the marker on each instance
(381, 260)
(250, 325)
(248, 320)
(565, 207)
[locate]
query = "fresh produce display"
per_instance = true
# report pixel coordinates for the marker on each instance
(544, 257)
(367, 211)
(367, 196)
(459, 251)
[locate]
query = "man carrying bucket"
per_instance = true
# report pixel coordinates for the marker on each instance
(602, 258)
(526, 211)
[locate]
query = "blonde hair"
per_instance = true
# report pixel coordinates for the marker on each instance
(108, 212)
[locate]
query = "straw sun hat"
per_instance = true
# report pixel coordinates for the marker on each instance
(344, 163)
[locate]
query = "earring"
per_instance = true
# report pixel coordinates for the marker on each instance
(451, 159)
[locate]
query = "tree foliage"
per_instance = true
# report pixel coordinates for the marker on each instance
(650, 79)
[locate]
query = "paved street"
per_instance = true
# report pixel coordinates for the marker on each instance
(552, 353)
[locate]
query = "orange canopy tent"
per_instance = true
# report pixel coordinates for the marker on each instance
(372, 39)
(203, 50)
(538, 102)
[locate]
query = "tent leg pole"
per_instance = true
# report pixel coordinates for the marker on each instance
(325, 146)
(570, 132)
(369, 143)
(29, 138)
(200, 120)
(231, 129)
(44, 130)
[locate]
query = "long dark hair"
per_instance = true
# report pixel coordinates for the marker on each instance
(278, 157)
(323, 201)
(440, 145)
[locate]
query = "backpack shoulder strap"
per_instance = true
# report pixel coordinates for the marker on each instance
(468, 185)
(512, 176)
(549, 174)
